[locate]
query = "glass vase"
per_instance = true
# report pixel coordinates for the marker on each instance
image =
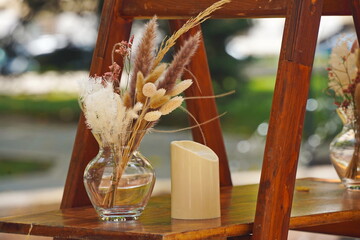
(117, 194)
(344, 155)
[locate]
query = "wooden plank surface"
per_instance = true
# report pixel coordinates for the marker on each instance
(203, 109)
(287, 119)
(171, 9)
(325, 202)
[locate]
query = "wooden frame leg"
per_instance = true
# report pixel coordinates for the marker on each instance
(204, 109)
(112, 29)
(286, 120)
(355, 4)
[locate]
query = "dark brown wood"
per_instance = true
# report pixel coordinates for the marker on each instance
(355, 4)
(183, 9)
(286, 120)
(236, 238)
(204, 109)
(349, 228)
(325, 202)
(112, 29)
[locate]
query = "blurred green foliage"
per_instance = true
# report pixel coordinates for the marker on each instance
(10, 166)
(246, 109)
(252, 107)
(54, 106)
(225, 70)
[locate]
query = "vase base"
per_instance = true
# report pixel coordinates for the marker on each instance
(118, 218)
(120, 214)
(351, 184)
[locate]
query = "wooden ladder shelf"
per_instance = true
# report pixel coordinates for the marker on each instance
(265, 211)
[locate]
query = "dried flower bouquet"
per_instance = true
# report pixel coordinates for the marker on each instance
(121, 117)
(344, 79)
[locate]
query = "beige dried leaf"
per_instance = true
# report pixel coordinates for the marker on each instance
(156, 73)
(171, 105)
(152, 116)
(149, 89)
(139, 86)
(158, 102)
(127, 100)
(180, 87)
(158, 94)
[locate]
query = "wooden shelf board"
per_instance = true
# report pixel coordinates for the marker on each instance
(325, 202)
(168, 9)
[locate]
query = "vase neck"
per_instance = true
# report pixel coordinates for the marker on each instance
(103, 145)
(112, 149)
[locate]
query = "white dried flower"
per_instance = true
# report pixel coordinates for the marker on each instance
(130, 115)
(180, 87)
(88, 86)
(133, 113)
(152, 116)
(171, 105)
(120, 107)
(101, 110)
(138, 106)
(119, 120)
(149, 89)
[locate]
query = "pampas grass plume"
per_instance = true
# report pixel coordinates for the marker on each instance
(149, 89)
(101, 115)
(180, 87)
(88, 86)
(145, 54)
(171, 105)
(152, 116)
(181, 59)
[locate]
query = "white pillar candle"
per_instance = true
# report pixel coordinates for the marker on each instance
(195, 189)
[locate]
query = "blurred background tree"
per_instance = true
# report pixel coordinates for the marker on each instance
(47, 38)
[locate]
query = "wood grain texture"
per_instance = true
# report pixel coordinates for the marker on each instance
(355, 4)
(347, 228)
(183, 9)
(326, 202)
(286, 120)
(204, 109)
(85, 146)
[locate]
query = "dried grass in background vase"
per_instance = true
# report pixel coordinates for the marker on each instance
(344, 79)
